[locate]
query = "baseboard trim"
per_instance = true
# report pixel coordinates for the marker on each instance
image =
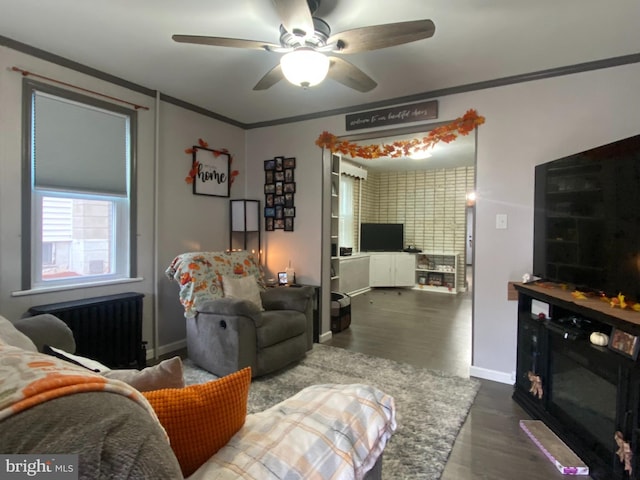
(359, 292)
(325, 337)
(493, 375)
(168, 348)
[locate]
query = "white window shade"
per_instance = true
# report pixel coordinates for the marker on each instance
(346, 225)
(79, 147)
(352, 170)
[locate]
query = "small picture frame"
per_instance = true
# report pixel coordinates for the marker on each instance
(288, 199)
(268, 176)
(279, 161)
(269, 188)
(279, 200)
(270, 164)
(279, 188)
(624, 343)
(279, 212)
(269, 200)
(279, 176)
(289, 211)
(268, 224)
(288, 224)
(278, 223)
(289, 162)
(269, 212)
(287, 175)
(282, 278)
(290, 187)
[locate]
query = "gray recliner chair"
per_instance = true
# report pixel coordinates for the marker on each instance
(229, 334)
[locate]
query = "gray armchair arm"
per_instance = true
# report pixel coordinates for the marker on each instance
(287, 298)
(47, 329)
(232, 307)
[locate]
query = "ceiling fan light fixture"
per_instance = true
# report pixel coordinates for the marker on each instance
(421, 153)
(304, 67)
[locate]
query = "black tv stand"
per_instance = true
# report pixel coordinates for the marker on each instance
(587, 392)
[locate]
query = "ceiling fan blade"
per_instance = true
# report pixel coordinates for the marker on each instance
(272, 77)
(348, 74)
(381, 36)
(225, 42)
(295, 15)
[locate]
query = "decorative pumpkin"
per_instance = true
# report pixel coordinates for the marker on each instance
(599, 338)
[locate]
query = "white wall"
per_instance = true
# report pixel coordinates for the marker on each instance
(526, 124)
(185, 221)
(189, 222)
(302, 246)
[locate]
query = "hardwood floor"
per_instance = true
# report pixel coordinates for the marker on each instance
(433, 330)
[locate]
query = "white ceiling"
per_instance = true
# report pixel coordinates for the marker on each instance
(475, 41)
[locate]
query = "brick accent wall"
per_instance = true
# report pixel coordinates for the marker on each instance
(430, 203)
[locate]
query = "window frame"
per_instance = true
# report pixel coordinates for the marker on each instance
(347, 215)
(31, 248)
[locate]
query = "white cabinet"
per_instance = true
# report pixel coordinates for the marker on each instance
(380, 271)
(392, 270)
(403, 265)
(354, 274)
(437, 272)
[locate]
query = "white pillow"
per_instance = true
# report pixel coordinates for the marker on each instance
(166, 374)
(243, 288)
(10, 335)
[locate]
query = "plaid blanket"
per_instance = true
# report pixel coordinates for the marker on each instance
(323, 432)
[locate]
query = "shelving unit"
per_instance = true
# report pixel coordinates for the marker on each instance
(437, 272)
(335, 222)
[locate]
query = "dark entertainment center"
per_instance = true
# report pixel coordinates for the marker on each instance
(586, 393)
(577, 362)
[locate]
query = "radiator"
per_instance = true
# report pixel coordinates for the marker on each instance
(107, 329)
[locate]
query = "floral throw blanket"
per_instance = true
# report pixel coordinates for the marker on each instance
(30, 378)
(323, 432)
(199, 275)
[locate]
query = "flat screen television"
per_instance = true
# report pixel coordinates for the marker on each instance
(381, 237)
(587, 219)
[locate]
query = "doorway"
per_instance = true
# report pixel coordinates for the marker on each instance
(423, 237)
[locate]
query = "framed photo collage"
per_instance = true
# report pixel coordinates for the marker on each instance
(279, 194)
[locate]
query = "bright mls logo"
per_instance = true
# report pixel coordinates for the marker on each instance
(51, 467)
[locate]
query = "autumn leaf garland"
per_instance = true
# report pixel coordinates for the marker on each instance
(402, 148)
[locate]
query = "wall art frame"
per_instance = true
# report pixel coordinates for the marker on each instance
(212, 176)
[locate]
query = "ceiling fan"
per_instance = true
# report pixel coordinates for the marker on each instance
(306, 40)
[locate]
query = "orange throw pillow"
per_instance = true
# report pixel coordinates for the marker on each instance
(200, 419)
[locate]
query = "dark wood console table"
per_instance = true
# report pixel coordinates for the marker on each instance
(588, 395)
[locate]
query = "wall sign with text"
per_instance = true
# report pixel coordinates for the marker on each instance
(212, 172)
(392, 116)
(279, 192)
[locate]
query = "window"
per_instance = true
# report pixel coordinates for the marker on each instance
(347, 217)
(78, 195)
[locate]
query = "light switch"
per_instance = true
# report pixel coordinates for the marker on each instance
(501, 221)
